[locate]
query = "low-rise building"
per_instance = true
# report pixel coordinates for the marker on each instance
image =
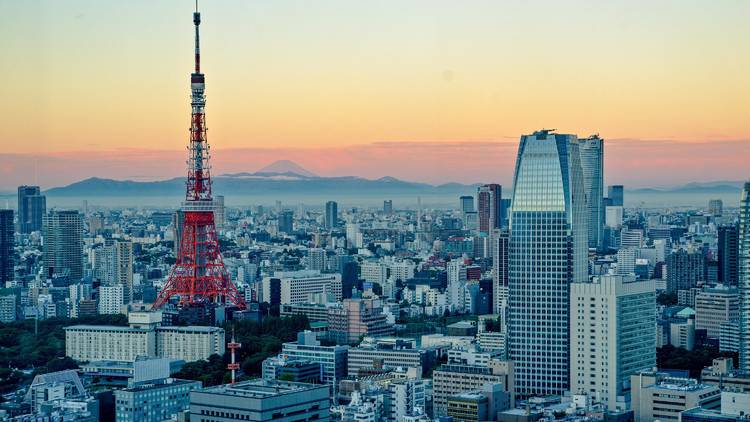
(656, 395)
(332, 359)
(261, 400)
(451, 379)
(153, 402)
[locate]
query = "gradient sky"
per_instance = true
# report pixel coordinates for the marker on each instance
(427, 90)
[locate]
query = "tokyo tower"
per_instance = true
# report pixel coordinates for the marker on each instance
(199, 276)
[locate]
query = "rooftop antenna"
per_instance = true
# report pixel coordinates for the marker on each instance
(232, 345)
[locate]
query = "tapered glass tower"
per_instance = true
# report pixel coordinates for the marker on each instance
(744, 278)
(548, 251)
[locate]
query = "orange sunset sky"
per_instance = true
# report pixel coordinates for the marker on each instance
(431, 91)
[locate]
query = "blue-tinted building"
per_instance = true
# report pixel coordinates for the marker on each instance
(548, 251)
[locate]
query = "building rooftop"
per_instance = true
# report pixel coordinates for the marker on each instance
(261, 388)
(106, 328)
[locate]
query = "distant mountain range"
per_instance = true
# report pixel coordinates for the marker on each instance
(287, 180)
(697, 188)
(261, 184)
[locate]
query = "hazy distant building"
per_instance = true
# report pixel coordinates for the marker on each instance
(616, 195)
(7, 242)
(592, 165)
(467, 204)
(32, 206)
(548, 251)
(286, 221)
(63, 244)
(488, 207)
(744, 278)
(388, 206)
(715, 207)
(332, 214)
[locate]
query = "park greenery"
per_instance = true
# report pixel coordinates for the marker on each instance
(28, 347)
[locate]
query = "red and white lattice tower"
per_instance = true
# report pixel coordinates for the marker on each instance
(199, 276)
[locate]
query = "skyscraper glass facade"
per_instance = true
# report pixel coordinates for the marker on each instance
(548, 251)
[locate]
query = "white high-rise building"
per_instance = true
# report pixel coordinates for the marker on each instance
(626, 258)
(316, 259)
(612, 336)
(374, 272)
(302, 286)
(613, 217)
(113, 264)
(111, 299)
(456, 272)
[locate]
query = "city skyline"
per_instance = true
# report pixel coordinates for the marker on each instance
(460, 90)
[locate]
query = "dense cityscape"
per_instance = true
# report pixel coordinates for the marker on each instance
(553, 299)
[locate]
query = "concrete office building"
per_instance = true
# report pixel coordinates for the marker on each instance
(189, 343)
(612, 336)
(715, 306)
(657, 396)
(451, 379)
(368, 357)
(315, 312)
(144, 337)
(261, 400)
(284, 368)
(99, 342)
(298, 286)
(548, 251)
(685, 269)
(111, 299)
(154, 402)
(356, 318)
(316, 259)
(332, 359)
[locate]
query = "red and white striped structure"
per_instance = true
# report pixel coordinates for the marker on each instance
(199, 276)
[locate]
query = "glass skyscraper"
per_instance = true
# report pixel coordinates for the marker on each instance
(744, 279)
(592, 164)
(548, 251)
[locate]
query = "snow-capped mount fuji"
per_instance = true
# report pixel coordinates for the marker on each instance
(286, 166)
